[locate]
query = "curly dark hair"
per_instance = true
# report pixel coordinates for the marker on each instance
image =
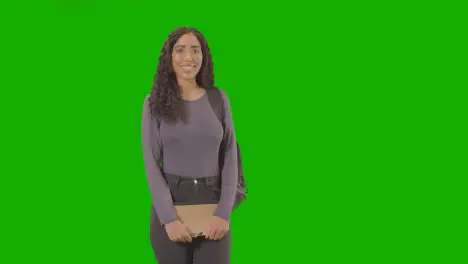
(165, 98)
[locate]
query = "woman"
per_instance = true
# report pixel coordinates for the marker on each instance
(181, 144)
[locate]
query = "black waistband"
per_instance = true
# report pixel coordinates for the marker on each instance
(172, 178)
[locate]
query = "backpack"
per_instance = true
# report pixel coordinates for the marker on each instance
(217, 104)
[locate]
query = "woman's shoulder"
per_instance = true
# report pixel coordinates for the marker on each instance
(225, 99)
(222, 91)
(223, 94)
(146, 101)
(146, 104)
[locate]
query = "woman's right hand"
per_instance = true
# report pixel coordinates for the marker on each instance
(178, 232)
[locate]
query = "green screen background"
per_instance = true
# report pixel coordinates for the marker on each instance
(348, 117)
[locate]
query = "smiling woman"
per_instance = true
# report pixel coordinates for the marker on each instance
(190, 153)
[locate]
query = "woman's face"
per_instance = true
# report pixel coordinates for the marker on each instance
(187, 57)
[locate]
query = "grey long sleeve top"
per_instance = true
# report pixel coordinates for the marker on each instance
(189, 150)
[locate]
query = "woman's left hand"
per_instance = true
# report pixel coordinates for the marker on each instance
(217, 229)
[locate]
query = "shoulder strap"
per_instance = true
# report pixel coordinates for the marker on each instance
(216, 102)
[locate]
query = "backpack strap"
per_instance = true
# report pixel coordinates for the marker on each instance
(217, 103)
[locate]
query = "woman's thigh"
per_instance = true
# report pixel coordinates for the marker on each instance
(166, 251)
(213, 251)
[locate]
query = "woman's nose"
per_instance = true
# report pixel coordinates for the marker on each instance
(188, 56)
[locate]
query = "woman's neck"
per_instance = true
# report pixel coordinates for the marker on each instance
(189, 89)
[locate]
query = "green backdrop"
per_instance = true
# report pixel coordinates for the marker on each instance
(347, 114)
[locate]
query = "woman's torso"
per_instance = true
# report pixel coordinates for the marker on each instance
(191, 149)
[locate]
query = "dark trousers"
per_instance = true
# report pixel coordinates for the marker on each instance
(200, 250)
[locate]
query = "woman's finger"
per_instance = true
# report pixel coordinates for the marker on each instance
(223, 233)
(212, 233)
(218, 234)
(188, 237)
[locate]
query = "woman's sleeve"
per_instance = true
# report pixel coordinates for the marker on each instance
(152, 153)
(229, 176)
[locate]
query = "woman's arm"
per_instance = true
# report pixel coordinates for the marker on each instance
(229, 176)
(152, 153)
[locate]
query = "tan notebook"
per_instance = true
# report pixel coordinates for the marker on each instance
(196, 217)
